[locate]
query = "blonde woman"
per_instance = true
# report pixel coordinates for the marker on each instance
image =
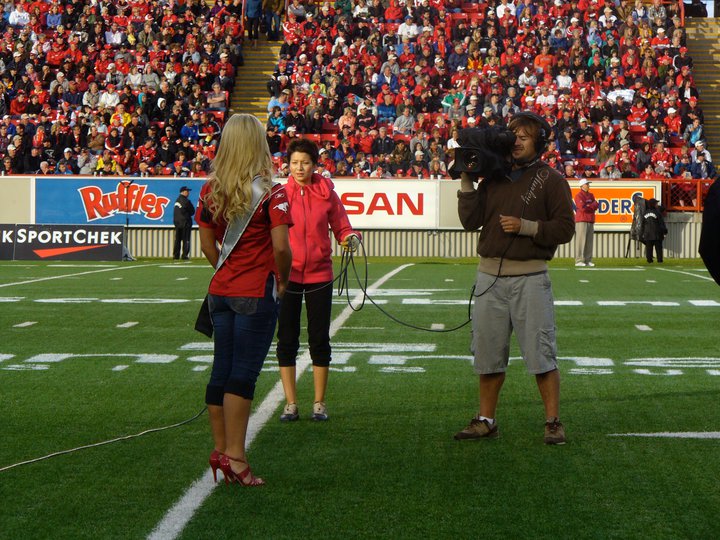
(245, 290)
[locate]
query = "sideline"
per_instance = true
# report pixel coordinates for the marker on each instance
(78, 274)
(708, 278)
(183, 510)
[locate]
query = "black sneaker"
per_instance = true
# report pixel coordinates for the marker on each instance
(478, 429)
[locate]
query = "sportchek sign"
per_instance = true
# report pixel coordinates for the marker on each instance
(61, 242)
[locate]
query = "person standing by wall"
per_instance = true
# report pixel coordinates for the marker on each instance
(585, 208)
(183, 212)
(248, 283)
(653, 231)
(523, 217)
(315, 208)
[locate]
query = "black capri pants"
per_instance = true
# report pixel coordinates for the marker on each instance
(318, 305)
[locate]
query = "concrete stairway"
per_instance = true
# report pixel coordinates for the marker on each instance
(704, 46)
(250, 94)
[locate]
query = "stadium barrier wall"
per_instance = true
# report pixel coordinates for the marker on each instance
(399, 217)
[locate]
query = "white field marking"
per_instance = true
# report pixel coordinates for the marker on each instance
(346, 369)
(402, 369)
(181, 279)
(568, 303)
(114, 268)
(120, 367)
(82, 266)
(24, 324)
(200, 368)
(174, 521)
(8, 299)
(590, 371)
(708, 278)
(343, 301)
(341, 358)
(680, 363)
(431, 302)
(197, 346)
(364, 328)
(21, 367)
(66, 300)
(714, 372)
(387, 360)
(184, 266)
(449, 280)
(206, 359)
(384, 347)
(6, 356)
(643, 328)
(144, 300)
(437, 326)
(672, 435)
(704, 303)
(666, 373)
(587, 361)
(584, 280)
(636, 302)
(404, 292)
(53, 358)
(650, 281)
(128, 324)
(115, 279)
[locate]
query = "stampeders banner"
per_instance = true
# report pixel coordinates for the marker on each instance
(61, 242)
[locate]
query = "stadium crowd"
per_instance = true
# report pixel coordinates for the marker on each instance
(115, 88)
(385, 87)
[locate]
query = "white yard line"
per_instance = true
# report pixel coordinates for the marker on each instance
(172, 525)
(38, 280)
(643, 328)
(708, 278)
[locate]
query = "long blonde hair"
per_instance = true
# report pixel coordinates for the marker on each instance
(243, 153)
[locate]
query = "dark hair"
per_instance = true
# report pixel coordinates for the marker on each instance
(305, 146)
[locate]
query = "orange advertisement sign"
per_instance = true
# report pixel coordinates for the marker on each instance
(615, 198)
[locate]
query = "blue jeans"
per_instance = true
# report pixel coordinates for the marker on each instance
(244, 329)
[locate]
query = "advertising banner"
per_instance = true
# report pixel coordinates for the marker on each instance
(7, 243)
(390, 204)
(615, 199)
(110, 200)
(62, 242)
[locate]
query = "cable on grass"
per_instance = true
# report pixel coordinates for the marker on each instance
(348, 260)
(103, 443)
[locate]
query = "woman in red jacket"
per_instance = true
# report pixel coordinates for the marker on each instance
(314, 207)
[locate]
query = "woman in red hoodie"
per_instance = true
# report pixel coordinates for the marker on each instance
(314, 207)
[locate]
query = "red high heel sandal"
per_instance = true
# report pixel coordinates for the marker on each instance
(215, 463)
(244, 478)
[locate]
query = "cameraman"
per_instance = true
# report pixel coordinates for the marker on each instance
(524, 216)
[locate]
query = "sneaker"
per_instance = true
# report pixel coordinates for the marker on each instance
(319, 411)
(290, 413)
(590, 264)
(579, 264)
(478, 429)
(554, 432)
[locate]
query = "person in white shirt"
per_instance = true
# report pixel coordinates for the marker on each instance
(19, 17)
(408, 28)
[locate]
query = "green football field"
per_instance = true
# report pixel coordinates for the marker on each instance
(96, 352)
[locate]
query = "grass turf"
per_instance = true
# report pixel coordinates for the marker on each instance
(385, 465)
